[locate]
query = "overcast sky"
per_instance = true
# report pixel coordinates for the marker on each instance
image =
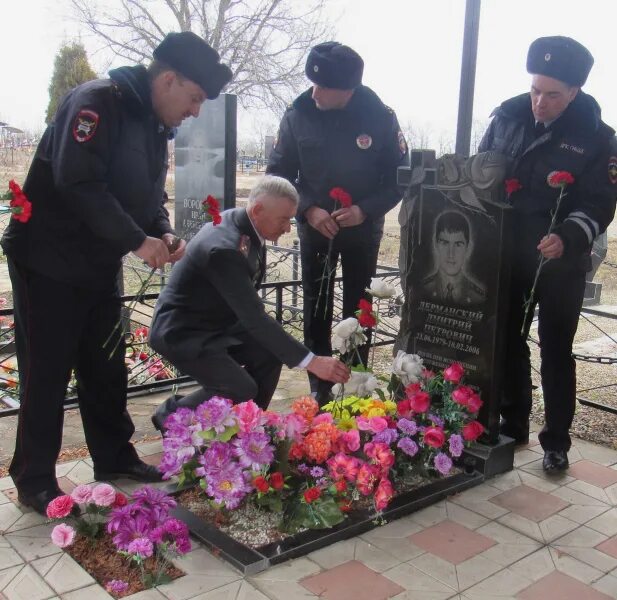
(411, 49)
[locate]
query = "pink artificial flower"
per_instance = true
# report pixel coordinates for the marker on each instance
(381, 454)
(342, 465)
(322, 418)
(250, 416)
(434, 437)
(349, 441)
(272, 419)
(60, 507)
(454, 373)
(82, 494)
(62, 535)
(383, 493)
(427, 374)
(367, 478)
(372, 424)
(103, 495)
(294, 426)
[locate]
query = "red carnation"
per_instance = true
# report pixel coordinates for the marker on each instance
(419, 402)
(339, 195)
(261, 485)
(277, 481)
(312, 494)
(434, 437)
(472, 431)
(340, 485)
(213, 209)
(512, 185)
(120, 500)
(560, 179)
(365, 314)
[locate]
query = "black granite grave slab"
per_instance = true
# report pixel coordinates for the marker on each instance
(250, 561)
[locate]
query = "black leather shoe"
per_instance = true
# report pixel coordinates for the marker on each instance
(139, 471)
(158, 421)
(40, 500)
(521, 438)
(555, 461)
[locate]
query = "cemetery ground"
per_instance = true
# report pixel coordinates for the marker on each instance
(520, 535)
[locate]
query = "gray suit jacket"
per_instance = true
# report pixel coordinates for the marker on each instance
(211, 297)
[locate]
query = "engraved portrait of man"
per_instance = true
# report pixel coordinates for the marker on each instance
(451, 283)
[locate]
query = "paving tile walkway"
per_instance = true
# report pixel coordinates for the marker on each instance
(521, 535)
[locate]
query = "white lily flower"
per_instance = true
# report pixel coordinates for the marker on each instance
(380, 288)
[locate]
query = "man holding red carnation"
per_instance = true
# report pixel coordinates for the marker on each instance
(557, 146)
(96, 185)
(340, 146)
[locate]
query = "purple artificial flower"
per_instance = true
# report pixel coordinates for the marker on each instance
(153, 502)
(116, 586)
(407, 426)
(438, 421)
(443, 463)
(254, 450)
(228, 486)
(216, 414)
(456, 445)
(322, 482)
(141, 546)
(387, 436)
(408, 446)
(127, 523)
(216, 458)
(303, 469)
(174, 458)
(317, 472)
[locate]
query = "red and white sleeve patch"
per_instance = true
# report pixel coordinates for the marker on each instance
(85, 125)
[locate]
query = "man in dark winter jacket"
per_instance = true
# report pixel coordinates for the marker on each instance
(556, 127)
(96, 187)
(338, 134)
(210, 321)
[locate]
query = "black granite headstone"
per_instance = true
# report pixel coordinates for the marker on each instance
(456, 270)
(205, 163)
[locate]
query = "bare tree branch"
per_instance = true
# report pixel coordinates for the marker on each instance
(264, 42)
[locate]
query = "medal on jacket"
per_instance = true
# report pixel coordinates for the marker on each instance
(244, 245)
(364, 141)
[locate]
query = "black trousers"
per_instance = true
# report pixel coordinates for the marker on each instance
(358, 248)
(559, 297)
(59, 327)
(243, 372)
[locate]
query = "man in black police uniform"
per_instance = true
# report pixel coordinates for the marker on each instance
(211, 323)
(556, 127)
(96, 187)
(338, 134)
(450, 283)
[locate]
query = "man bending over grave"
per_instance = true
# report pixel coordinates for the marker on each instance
(211, 323)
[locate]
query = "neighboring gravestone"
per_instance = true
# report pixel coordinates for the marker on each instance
(205, 150)
(455, 269)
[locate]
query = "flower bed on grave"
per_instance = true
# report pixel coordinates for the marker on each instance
(126, 544)
(262, 477)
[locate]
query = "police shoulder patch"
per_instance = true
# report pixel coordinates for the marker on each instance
(85, 125)
(612, 169)
(402, 143)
